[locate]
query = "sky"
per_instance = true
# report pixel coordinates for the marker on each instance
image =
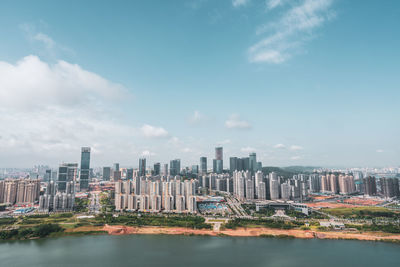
(299, 82)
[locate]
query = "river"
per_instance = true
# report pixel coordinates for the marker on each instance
(193, 251)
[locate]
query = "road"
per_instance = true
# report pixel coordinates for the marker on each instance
(94, 205)
(236, 207)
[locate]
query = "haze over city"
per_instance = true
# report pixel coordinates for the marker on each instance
(298, 82)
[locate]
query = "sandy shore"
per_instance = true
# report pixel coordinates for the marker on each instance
(240, 232)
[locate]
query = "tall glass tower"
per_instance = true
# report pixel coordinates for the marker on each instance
(85, 169)
(203, 165)
(142, 167)
(253, 162)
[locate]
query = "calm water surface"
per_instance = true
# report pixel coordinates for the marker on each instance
(193, 251)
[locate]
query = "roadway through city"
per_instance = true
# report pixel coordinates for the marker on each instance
(94, 205)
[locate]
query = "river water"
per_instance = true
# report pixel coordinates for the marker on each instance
(193, 251)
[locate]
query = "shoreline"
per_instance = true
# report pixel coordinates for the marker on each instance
(239, 232)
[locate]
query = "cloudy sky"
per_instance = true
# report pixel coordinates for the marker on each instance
(299, 82)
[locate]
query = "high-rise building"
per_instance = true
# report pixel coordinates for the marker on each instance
(259, 166)
(85, 168)
(253, 162)
(129, 174)
(203, 165)
(233, 164)
(218, 162)
(334, 182)
(369, 186)
(325, 184)
(219, 166)
(195, 169)
(142, 167)
(106, 173)
(117, 172)
(285, 191)
(157, 168)
(219, 153)
(249, 189)
(165, 170)
(19, 191)
(346, 184)
(389, 187)
(47, 175)
(175, 167)
(274, 185)
(67, 172)
(245, 162)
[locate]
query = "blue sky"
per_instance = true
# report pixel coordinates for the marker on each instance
(302, 82)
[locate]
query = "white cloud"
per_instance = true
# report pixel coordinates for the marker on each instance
(295, 158)
(147, 153)
(47, 40)
(380, 151)
(48, 45)
(296, 147)
(281, 146)
(287, 35)
(234, 122)
(34, 84)
(239, 3)
(153, 132)
(271, 56)
(271, 4)
(49, 111)
(247, 149)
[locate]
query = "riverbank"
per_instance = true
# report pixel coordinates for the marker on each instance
(239, 232)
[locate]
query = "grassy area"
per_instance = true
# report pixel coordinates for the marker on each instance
(262, 223)
(195, 222)
(107, 204)
(386, 228)
(39, 231)
(81, 204)
(362, 212)
(7, 221)
(37, 226)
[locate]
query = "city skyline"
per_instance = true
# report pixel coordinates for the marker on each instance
(302, 83)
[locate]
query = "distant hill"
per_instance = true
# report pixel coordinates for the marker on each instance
(288, 172)
(300, 169)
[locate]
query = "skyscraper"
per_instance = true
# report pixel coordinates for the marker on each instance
(233, 164)
(117, 172)
(245, 164)
(274, 185)
(218, 163)
(389, 187)
(47, 176)
(165, 169)
(129, 174)
(157, 168)
(369, 186)
(253, 162)
(203, 165)
(219, 153)
(85, 168)
(106, 173)
(142, 167)
(195, 169)
(175, 167)
(66, 173)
